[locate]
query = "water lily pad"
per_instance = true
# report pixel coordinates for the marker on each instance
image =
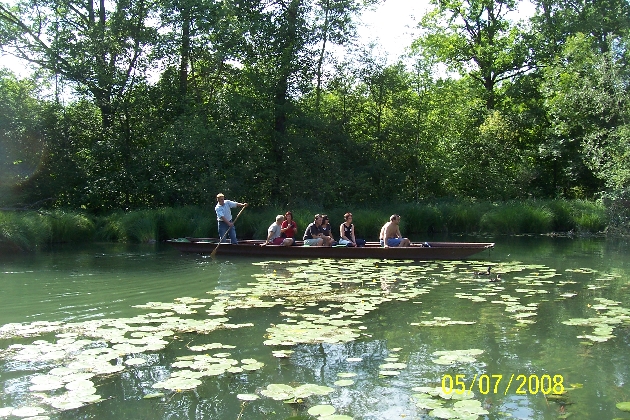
(389, 372)
(469, 408)
(79, 384)
(247, 397)
(46, 383)
(392, 366)
(344, 382)
(64, 404)
(321, 410)
(444, 413)
(624, 406)
(278, 392)
(178, 384)
(27, 411)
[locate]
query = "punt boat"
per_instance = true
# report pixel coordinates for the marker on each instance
(254, 248)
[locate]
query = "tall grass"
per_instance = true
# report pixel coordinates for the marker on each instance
(513, 218)
(28, 230)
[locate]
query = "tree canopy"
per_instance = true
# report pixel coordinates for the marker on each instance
(163, 103)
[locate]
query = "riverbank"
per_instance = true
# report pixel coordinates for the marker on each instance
(33, 229)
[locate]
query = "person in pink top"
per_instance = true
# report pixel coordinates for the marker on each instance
(289, 227)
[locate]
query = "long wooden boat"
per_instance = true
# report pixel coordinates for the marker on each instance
(255, 248)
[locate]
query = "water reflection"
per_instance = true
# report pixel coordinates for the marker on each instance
(374, 312)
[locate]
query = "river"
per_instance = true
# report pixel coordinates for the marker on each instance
(110, 331)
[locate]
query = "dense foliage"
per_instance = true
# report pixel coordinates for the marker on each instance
(140, 105)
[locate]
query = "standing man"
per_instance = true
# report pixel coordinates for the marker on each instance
(390, 233)
(224, 216)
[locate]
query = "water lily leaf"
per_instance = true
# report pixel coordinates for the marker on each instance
(624, 406)
(135, 361)
(247, 397)
(6, 411)
(61, 371)
(344, 382)
(392, 366)
(27, 411)
(278, 392)
(429, 404)
(177, 384)
(88, 399)
(63, 404)
(444, 413)
(154, 395)
(321, 410)
(253, 366)
(389, 372)
(469, 407)
(46, 383)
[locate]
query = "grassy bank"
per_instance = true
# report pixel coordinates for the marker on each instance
(29, 230)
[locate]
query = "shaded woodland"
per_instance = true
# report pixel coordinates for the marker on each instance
(146, 104)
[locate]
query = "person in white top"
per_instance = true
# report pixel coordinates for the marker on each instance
(224, 217)
(274, 233)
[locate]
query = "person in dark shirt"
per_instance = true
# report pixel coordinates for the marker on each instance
(346, 233)
(313, 235)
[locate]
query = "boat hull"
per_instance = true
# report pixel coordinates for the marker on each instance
(254, 248)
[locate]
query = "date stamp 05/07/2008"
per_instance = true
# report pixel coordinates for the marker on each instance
(520, 384)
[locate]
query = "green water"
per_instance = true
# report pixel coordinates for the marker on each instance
(378, 310)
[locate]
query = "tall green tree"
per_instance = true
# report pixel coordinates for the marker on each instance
(476, 38)
(22, 142)
(557, 20)
(99, 46)
(587, 97)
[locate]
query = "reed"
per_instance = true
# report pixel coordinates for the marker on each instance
(70, 227)
(24, 230)
(185, 221)
(29, 230)
(517, 217)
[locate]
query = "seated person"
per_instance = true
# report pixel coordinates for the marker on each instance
(390, 235)
(274, 234)
(289, 227)
(346, 233)
(313, 234)
(327, 231)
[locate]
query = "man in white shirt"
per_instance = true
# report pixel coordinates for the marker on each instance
(224, 217)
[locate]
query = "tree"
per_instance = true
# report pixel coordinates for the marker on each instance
(475, 37)
(587, 97)
(333, 22)
(22, 148)
(557, 20)
(100, 47)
